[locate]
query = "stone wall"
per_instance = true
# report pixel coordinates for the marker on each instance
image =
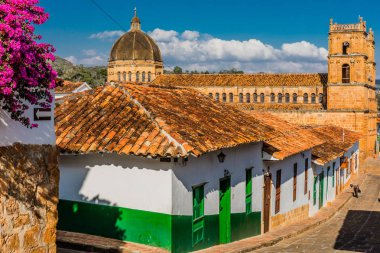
(297, 214)
(29, 179)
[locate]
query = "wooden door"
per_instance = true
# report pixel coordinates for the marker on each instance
(267, 198)
(225, 210)
(337, 182)
(278, 192)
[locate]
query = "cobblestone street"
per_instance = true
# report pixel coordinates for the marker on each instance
(356, 228)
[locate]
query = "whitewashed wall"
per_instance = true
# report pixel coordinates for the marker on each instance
(207, 169)
(286, 202)
(12, 131)
(124, 181)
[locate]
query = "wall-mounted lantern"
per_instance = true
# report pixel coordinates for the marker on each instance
(221, 157)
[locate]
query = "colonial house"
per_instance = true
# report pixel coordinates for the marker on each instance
(65, 88)
(170, 167)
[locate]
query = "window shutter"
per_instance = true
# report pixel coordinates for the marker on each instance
(248, 191)
(295, 182)
(198, 214)
(278, 191)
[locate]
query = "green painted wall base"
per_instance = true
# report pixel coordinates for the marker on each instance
(171, 232)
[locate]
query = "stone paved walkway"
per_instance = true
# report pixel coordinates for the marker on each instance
(355, 228)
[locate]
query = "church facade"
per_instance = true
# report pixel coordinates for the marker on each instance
(345, 96)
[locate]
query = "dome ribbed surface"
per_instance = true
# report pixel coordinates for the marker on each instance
(135, 45)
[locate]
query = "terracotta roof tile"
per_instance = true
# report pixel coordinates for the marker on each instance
(337, 141)
(151, 121)
(67, 87)
(193, 80)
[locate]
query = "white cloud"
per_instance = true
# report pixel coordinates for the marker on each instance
(72, 59)
(89, 52)
(190, 35)
(107, 35)
(194, 51)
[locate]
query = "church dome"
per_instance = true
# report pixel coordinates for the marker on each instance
(135, 45)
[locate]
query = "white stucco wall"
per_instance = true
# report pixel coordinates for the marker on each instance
(286, 166)
(12, 131)
(117, 180)
(207, 169)
(329, 187)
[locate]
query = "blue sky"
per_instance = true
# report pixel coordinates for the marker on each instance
(271, 36)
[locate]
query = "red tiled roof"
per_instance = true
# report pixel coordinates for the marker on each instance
(337, 141)
(293, 139)
(193, 80)
(67, 87)
(151, 121)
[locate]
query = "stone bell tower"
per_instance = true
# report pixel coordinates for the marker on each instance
(351, 97)
(351, 67)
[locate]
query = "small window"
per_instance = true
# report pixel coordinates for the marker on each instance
(240, 97)
(346, 73)
(231, 97)
(248, 191)
(224, 97)
(130, 76)
(320, 98)
(149, 76)
(216, 96)
(119, 76)
(295, 98)
(279, 98)
(313, 100)
(305, 98)
(345, 47)
(287, 98)
(210, 95)
(198, 214)
(295, 168)
(272, 98)
(124, 76)
(137, 77)
(248, 98)
(262, 97)
(255, 97)
(143, 77)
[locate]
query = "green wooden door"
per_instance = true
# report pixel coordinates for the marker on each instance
(321, 187)
(225, 210)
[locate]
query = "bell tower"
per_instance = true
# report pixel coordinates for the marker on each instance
(351, 67)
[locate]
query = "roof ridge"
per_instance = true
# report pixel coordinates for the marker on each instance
(171, 139)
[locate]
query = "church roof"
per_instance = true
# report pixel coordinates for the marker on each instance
(67, 87)
(266, 79)
(150, 121)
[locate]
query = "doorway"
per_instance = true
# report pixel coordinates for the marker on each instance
(225, 210)
(267, 198)
(321, 188)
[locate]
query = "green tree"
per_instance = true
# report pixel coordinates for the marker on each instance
(177, 70)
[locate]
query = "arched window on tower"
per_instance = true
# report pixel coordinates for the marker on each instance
(320, 98)
(295, 98)
(124, 76)
(224, 97)
(149, 76)
(248, 98)
(279, 98)
(262, 97)
(272, 98)
(130, 76)
(210, 95)
(346, 73)
(305, 98)
(313, 98)
(240, 97)
(137, 76)
(231, 97)
(287, 98)
(345, 47)
(143, 77)
(217, 96)
(254, 97)
(119, 76)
